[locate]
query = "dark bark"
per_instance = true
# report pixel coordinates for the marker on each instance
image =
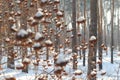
(74, 40)
(118, 31)
(112, 24)
(92, 31)
(23, 21)
(83, 51)
(10, 59)
(24, 54)
(84, 32)
(57, 42)
(100, 34)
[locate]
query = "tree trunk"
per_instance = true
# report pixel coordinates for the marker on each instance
(84, 33)
(118, 31)
(92, 31)
(100, 33)
(23, 21)
(74, 40)
(112, 23)
(10, 59)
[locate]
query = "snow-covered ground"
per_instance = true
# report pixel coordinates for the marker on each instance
(112, 70)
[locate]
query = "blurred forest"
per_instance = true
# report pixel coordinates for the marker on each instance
(59, 33)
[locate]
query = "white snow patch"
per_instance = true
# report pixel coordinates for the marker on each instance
(39, 13)
(59, 13)
(48, 42)
(93, 73)
(62, 58)
(78, 72)
(36, 45)
(19, 65)
(26, 60)
(103, 71)
(29, 30)
(38, 36)
(92, 38)
(14, 27)
(81, 18)
(68, 51)
(43, 1)
(22, 33)
(7, 39)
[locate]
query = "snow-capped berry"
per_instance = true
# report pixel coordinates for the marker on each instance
(81, 20)
(22, 34)
(19, 66)
(39, 15)
(13, 28)
(59, 14)
(48, 43)
(7, 39)
(92, 38)
(26, 60)
(78, 72)
(93, 73)
(103, 72)
(10, 77)
(43, 1)
(37, 46)
(39, 36)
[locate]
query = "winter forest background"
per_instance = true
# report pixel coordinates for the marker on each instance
(59, 39)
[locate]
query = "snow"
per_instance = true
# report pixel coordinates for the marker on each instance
(14, 27)
(103, 71)
(111, 70)
(33, 21)
(7, 39)
(78, 48)
(22, 33)
(11, 18)
(35, 62)
(59, 13)
(108, 17)
(81, 18)
(98, 61)
(36, 45)
(29, 30)
(43, 1)
(68, 51)
(92, 38)
(31, 18)
(58, 23)
(39, 14)
(38, 36)
(108, 68)
(57, 68)
(93, 73)
(18, 1)
(9, 76)
(40, 9)
(85, 47)
(118, 53)
(62, 58)
(26, 60)
(78, 72)
(48, 42)
(19, 65)
(17, 74)
(57, 0)
(29, 41)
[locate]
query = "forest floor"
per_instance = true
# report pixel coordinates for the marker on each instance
(112, 70)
